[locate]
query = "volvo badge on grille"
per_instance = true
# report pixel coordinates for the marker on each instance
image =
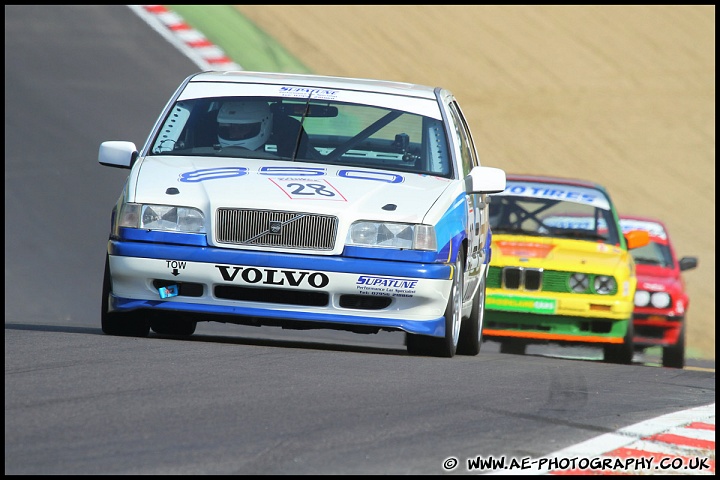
(275, 227)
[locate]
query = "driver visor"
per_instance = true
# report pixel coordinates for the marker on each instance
(238, 131)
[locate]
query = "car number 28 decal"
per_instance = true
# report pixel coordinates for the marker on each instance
(301, 189)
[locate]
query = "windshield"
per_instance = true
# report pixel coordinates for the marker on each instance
(653, 253)
(322, 131)
(657, 252)
(553, 211)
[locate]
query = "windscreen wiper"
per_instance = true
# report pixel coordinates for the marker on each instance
(300, 130)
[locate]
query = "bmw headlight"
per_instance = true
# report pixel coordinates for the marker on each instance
(660, 299)
(579, 282)
(392, 235)
(168, 218)
(642, 298)
(604, 285)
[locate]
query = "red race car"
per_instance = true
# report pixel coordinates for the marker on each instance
(661, 301)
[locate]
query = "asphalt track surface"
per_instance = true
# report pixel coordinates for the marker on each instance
(231, 400)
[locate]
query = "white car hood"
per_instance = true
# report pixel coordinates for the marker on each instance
(348, 192)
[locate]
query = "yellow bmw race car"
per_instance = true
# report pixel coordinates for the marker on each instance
(560, 270)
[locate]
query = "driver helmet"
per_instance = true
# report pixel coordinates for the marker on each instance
(244, 124)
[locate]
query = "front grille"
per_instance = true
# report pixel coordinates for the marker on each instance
(519, 278)
(269, 228)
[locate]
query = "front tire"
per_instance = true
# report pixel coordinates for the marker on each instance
(471, 328)
(624, 352)
(167, 325)
(127, 324)
(674, 355)
(447, 345)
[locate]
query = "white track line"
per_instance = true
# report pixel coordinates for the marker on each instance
(636, 437)
(189, 41)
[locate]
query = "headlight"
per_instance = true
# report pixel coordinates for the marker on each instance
(167, 218)
(392, 235)
(129, 215)
(642, 298)
(660, 300)
(604, 285)
(579, 282)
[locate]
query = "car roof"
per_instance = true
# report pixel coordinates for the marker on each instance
(318, 81)
(656, 228)
(641, 218)
(552, 179)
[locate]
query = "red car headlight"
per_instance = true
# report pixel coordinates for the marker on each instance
(660, 299)
(642, 298)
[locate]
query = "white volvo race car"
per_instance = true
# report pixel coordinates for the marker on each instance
(304, 202)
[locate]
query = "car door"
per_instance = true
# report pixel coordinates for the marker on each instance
(477, 208)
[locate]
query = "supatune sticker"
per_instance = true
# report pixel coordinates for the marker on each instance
(396, 287)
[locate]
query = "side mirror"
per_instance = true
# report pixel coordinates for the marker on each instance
(486, 180)
(117, 154)
(637, 238)
(688, 263)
